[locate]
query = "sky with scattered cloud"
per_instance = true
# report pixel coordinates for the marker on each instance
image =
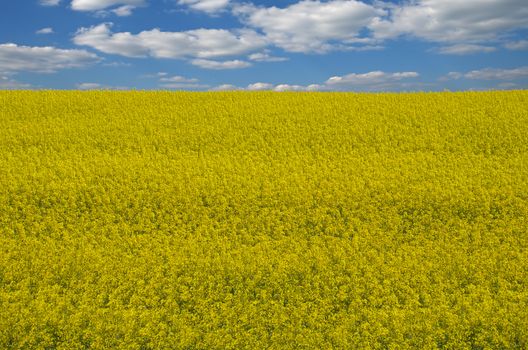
(288, 45)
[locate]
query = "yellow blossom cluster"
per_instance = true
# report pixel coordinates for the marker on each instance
(262, 220)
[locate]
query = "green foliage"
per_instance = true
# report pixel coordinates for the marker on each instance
(155, 220)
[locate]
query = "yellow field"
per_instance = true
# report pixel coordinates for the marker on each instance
(157, 220)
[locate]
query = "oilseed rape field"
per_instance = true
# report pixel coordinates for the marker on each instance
(239, 220)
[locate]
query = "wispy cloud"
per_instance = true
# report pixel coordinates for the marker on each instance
(465, 49)
(7, 83)
(489, 74)
(120, 7)
(177, 79)
(266, 57)
(47, 30)
(218, 65)
(49, 2)
(498, 74)
(517, 45)
(208, 6)
(97, 86)
(375, 80)
(184, 86)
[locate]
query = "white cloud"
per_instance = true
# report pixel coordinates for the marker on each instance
(281, 87)
(46, 59)
(123, 11)
(45, 31)
(365, 48)
(259, 86)
(372, 81)
(49, 2)
(210, 64)
(453, 20)
(97, 86)
(226, 87)
(176, 79)
(265, 57)
(288, 87)
(465, 49)
(89, 86)
(452, 76)
(198, 43)
(465, 27)
(116, 64)
(269, 87)
(312, 26)
(208, 6)
(517, 45)
(368, 81)
(96, 5)
(178, 82)
(498, 74)
(489, 74)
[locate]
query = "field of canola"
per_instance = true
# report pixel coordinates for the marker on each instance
(236, 220)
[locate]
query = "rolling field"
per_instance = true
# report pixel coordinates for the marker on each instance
(236, 220)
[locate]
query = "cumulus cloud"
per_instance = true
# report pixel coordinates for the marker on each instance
(14, 58)
(211, 64)
(208, 6)
(465, 49)
(198, 43)
(259, 86)
(45, 31)
(317, 26)
(320, 26)
(312, 26)
(453, 20)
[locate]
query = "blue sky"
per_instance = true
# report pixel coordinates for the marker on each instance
(343, 45)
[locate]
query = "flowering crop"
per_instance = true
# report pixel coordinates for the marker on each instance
(237, 220)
